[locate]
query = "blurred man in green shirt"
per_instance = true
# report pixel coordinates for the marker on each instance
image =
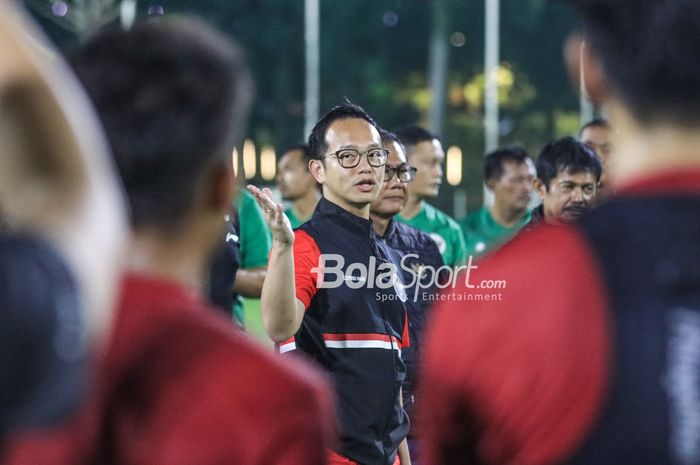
(255, 241)
(509, 173)
(296, 184)
(425, 152)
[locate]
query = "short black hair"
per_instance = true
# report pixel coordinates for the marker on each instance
(389, 137)
(346, 110)
(414, 135)
(567, 155)
(167, 93)
(595, 123)
(646, 52)
(493, 162)
(303, 148)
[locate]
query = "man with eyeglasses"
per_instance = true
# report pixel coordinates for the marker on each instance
(333, 291)
(419, 254)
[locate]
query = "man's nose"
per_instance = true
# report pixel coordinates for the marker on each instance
(364, 166)
(577, 195)
(394, 183)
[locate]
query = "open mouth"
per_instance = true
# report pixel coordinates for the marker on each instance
(366, 185)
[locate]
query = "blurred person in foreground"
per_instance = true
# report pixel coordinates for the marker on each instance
(509, 173)
(63, 228)
(178, 384)
(420, 260)
(593, 356)
(296, 184)
(424, 151)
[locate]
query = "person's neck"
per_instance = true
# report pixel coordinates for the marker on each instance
(304, 206)
(413, 206)
(180, 259)
(642, 151)
(380, 223)
(506, 217)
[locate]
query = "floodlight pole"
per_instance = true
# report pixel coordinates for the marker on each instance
(438, 66)
(491, 58)
(585, 103)
(312, 36)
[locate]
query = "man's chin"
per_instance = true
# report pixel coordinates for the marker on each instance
(359, 198)
(429, 195)
(384, 212)
(572, 215)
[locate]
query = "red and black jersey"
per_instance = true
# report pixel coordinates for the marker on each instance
(355, 326)
(592, 356)
(178, 385)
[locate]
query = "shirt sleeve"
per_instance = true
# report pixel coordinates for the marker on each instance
(306, 262)
(245, 401)
(482, 360)
(256, 239)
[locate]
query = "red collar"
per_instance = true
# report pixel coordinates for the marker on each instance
(672, 182)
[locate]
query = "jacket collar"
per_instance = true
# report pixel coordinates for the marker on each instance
(351, 223)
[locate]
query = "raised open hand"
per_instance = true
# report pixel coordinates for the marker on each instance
(276, 220)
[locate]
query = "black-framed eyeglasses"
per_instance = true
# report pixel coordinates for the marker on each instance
(404, 171)
(350, 158)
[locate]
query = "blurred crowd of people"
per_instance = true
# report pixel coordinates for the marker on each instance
(557, 324)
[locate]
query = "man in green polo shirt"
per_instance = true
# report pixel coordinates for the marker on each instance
(255, 241)
(425, 152)
(509, 173)
(296, 184)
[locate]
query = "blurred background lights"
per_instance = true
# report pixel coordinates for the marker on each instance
(249, 164)
(457, 39)
(59, 9)
(390, 19)
(454, 165)
(234, 161)
(268, 164)
(156, 10)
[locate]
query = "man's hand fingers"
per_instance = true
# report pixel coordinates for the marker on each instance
(264, 199)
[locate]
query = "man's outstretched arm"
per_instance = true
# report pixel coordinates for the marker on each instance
(281, 311)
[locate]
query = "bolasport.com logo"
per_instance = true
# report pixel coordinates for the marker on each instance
(420, 282)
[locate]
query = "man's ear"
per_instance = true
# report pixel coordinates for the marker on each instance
(491, 183)
(318, 170)
(584, 65)
(540, 188)
(219, 188)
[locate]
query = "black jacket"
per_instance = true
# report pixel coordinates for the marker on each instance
(356, 328)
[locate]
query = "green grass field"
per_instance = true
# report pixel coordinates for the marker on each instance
(253, 323)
